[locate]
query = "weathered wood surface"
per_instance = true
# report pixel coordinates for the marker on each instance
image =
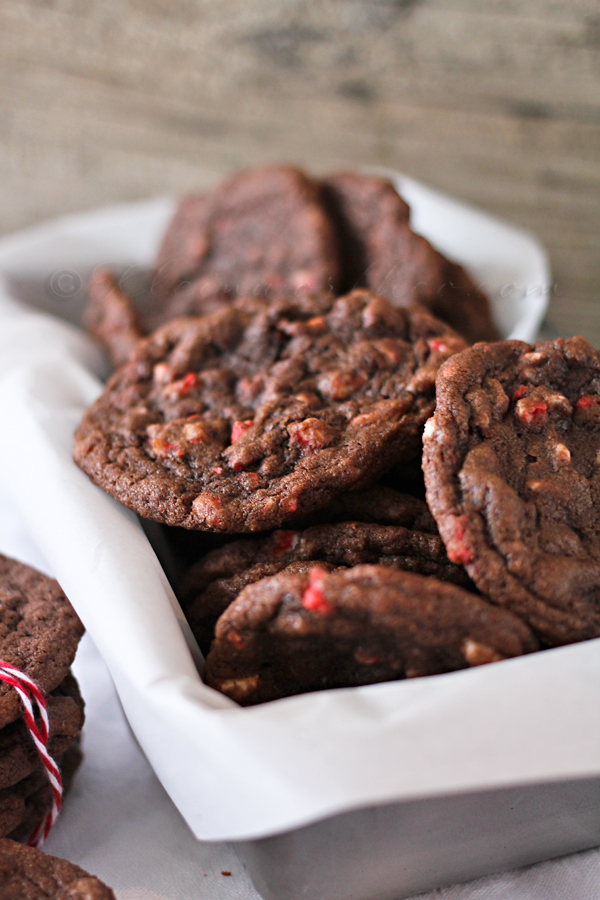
(494, 101)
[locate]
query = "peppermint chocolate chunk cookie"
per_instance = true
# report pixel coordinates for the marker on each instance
(381, 251)
(511, 462)
(237, 421)
(261, 233)
(30, 874)
(293, 633)
(217, 579)
(39, 631)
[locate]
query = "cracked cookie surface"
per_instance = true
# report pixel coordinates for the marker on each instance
(264, 232)
(237, 421)
(261, 233)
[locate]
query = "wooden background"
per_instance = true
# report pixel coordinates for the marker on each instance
(494, 101)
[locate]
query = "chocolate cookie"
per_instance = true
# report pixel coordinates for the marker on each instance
(511, 463)
(34, 796)
(180, 549)
(239, 420)
(23, 805)
(263, 232)
(217, 579)
(381, 251)
(18, 755)
(30, 874)
(39, 631)
(294, 633)
(379, 504)
(111, 317)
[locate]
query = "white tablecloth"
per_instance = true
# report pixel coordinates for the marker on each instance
(118, 822)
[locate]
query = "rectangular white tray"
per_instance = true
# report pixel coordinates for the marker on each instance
(362, 793)
(391, 851)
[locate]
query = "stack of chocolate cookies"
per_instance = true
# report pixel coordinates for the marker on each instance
(278, 382)
(39, 633)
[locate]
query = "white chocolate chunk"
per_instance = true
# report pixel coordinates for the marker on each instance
(239, 688)
(478, 654)
(429, 427)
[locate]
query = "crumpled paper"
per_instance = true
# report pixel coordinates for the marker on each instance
(243, 773)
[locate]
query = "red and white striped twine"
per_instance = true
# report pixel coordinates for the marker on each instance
(28, 690)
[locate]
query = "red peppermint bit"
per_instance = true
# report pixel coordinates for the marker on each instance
(189, 382)
(218, 470)
(205, 508)
(587, 401)
(310, 435)
(283, 541)
(460, 555)
(437, 346)
(458, 552)
(240, 428)
(291, 506)
(182, 387)
(236, 640)
(520, 392)
(167, 448)
(535, 413)
(314, 600)
(207, 500)
(195, 433)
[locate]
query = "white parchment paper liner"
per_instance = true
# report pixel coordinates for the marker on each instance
(236, 773)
